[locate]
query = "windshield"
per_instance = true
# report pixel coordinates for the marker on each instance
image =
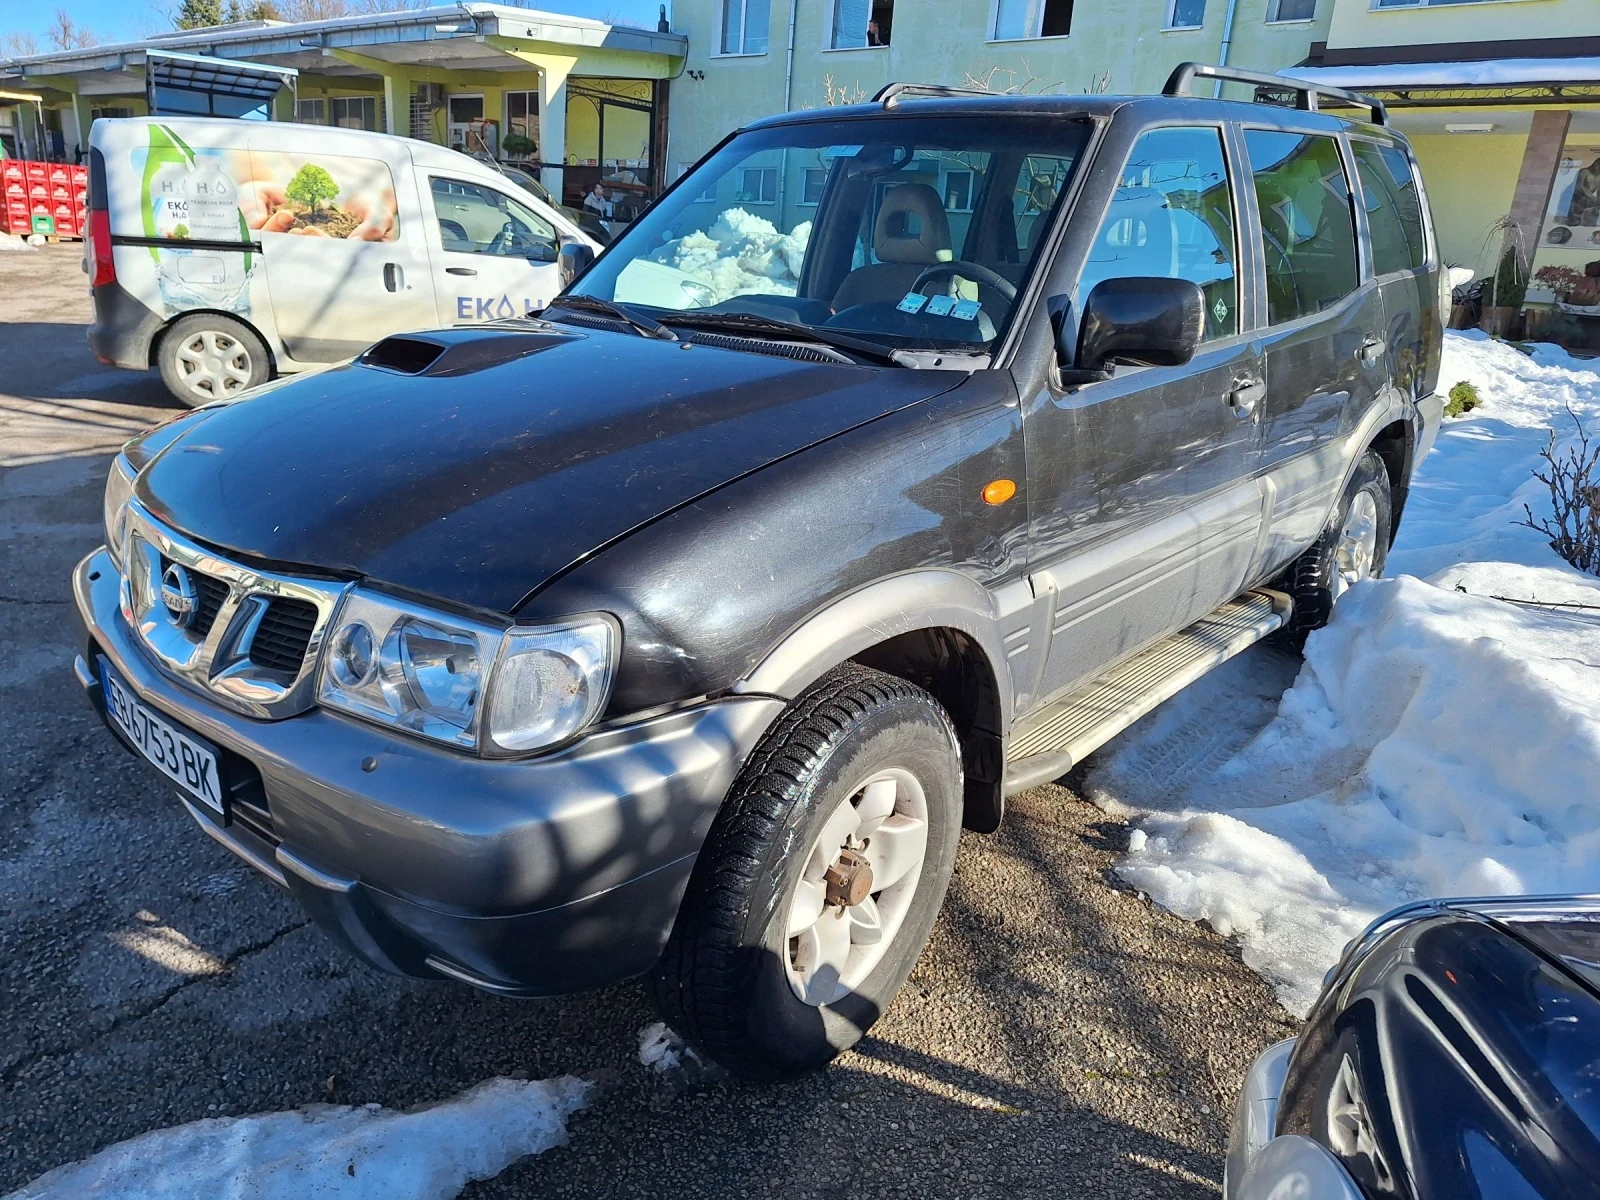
(911, 232)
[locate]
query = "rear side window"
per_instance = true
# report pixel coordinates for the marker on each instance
(1307, 229)
(1172, 216)
(1394, 210)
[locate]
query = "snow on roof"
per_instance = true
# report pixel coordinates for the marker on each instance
(1498, 72)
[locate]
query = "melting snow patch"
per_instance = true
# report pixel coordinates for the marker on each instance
(660, 1049)
(330, 1151)
(741, 254)
(8, 242)
(1435, 743)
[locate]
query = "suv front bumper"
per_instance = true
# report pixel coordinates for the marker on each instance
(525, 877)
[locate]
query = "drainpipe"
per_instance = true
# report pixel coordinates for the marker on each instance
(788, 70)
(1227, 43)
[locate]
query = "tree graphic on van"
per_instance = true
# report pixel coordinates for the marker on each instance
(312, 186)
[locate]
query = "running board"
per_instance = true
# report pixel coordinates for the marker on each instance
(1050, 743)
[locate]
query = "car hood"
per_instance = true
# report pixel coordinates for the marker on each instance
(506, 457)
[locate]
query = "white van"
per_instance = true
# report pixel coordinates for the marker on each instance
(226, 252)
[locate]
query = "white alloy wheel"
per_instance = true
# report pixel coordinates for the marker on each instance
(212, 364)
(1358, 543)
(856, 887)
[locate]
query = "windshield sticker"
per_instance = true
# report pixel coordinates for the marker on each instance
(912, 302)
(940, 306)
(966, 310)
(1221, 310)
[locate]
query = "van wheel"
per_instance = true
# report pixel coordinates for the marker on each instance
(207, 356)
(820, 879)
(1353, 547)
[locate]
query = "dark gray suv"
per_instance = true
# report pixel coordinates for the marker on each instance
(896, 458)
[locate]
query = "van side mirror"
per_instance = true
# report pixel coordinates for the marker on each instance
(574, 260)
(1150, 321)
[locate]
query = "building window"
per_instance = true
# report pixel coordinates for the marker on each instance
(1015, 19)
(816, 179)
(861, 23)
(1291, 10)
(744, 26)
(311, 112)
(1186, 14)
(958, 191)
(110, 114)
(758, 185)
(522, 115)
(353, 112)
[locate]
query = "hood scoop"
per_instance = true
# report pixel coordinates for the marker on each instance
(450, 353)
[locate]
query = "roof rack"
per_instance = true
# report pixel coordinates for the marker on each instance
(1307, 95)
(889, 94)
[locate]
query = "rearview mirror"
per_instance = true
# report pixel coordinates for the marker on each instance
(574, 260)
(1149, 321)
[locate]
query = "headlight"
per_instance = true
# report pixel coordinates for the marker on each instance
(114, 506)
(429, 672)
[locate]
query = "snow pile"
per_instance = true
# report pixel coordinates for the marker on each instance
(10, 242)
(1435, 743)
(740, 255)
(326, 1151)
(659, 1048)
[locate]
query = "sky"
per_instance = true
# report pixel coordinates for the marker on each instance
(132, 20)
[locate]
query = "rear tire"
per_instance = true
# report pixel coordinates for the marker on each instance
(1353, 547)
(736, 980)
(207, 356)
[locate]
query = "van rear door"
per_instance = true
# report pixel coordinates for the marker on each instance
(342, 239)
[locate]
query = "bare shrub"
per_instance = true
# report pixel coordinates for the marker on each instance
(1573, 477)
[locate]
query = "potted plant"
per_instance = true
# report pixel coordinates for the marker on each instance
(1505, 294)
(519, 145)
(1560, 280)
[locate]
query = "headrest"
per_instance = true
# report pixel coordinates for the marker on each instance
(912, 227)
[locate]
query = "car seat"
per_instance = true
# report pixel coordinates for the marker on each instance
(910, 235)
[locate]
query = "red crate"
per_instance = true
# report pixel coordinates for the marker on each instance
(38, 170)
(13, 168)
(61, 191)
(60, 173)
(80, 175)
(38, 190)
(16, 189)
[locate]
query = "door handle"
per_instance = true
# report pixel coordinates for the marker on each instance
(1244, 398)
(1372, 349)
(393, 277)
(459, 271)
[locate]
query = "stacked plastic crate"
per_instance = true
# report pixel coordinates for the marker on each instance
(47, 198)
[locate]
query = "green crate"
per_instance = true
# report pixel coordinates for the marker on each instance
(44, 223)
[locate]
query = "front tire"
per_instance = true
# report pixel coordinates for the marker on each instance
(820, 880)
(1353, 547)
(206, 356)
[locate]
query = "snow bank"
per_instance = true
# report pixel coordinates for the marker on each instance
(1435, 742)
(741, 254)
(660, 1049)
(327, 1151)
(10, 242)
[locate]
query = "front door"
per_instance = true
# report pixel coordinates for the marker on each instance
(1144, 511)
(1326, 359)
(345, 257)
(494, 257)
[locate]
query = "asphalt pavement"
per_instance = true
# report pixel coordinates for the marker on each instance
(1061, 1037)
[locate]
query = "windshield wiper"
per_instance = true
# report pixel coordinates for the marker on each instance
(608, 308)
(754, 324)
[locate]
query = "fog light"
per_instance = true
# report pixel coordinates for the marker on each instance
(353, 662)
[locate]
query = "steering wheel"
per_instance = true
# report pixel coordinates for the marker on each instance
(967, 270)
(501, 241)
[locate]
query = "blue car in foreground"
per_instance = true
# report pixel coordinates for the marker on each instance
(1454, 1052)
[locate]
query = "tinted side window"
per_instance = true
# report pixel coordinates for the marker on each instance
(1172, 216)
(1307, 228)
(1394, 210)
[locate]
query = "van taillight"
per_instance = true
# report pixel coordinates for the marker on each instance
(105, 269)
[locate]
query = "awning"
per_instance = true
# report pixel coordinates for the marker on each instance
(242, 84)
(1525, 79)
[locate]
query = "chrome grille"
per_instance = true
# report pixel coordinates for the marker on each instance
(248, 639)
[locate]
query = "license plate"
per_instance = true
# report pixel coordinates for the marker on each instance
(183, 758)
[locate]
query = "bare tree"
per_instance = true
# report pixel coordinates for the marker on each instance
(1006, 81)
(835, 94)
(64, 34)
(20, 45)
(1573, 478)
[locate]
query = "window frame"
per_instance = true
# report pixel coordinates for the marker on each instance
(361, 102)
(1369, 255)
(1275, 7)
(992, 31)
(830, 28)
(1250, 316)
(805, 173)
(744, 26)
(320, 103)
(762, 197)
(1172, 18)
(438, 235)
(1411, 5)
(1358, 220)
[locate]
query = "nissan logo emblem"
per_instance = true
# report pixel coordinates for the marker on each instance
(178, 595)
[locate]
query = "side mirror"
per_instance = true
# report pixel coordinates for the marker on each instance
(574, 259)
(1148, 321)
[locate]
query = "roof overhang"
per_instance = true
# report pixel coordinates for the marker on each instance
(1499, 81)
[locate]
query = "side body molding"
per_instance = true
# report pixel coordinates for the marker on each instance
(923, 599)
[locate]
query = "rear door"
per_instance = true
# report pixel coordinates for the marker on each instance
(1144, 509)
(494, 256)
(1326, 358)
(342, 236)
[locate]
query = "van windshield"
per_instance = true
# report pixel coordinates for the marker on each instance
(904, 231)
